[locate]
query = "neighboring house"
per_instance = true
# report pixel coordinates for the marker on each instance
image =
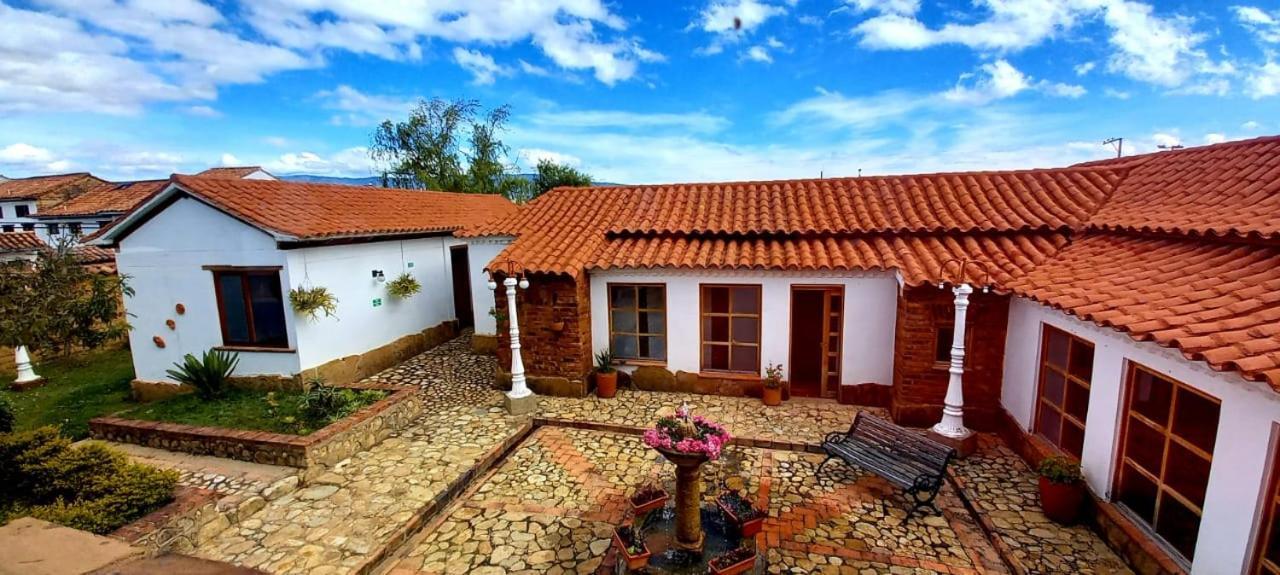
(94, 209)
(22, 198)
(219, 256)
(1133, 323)
(20, 246)
(238, 172)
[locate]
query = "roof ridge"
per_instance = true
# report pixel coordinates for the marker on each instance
(344, 187)
(1174, 152)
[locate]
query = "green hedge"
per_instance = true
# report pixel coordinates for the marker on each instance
(90, 487)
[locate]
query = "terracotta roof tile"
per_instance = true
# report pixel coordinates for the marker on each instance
(58, 187)
(109, 198)
(20, 242)
(1173, 292)
(316, 211)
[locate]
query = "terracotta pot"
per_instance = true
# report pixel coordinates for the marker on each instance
(638, 561)
(773, 396)
(1061, 501)
(557, 326)
(607, 384)
(736, 568)
(648, 506)
(748, 528)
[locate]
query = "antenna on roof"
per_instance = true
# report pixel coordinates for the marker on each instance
(1119, 145)
(820, 174)
(859, 172)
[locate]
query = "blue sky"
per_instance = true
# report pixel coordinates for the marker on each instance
(633, 91)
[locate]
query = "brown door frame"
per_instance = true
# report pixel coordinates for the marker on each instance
(828, 290)
(463, 275)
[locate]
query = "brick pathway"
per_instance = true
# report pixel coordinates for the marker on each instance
(549, 507)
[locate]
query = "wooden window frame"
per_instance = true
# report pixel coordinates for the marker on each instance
(666, 348)
(703, 314)
(1067, 381)
(1260, 565)
(19, 208)
(245, 273)
(1168, 436)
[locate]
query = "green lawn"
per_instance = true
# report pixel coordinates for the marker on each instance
(79, 388)
(248, 410)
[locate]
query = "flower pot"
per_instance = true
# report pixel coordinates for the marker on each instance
(736, 568)
(773, 396)
(1061, 501)
(606, 384)
(656, 503)
(748, 528)
(638, 561)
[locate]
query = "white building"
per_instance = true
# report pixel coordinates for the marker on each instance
(22, 198)
(212, 261)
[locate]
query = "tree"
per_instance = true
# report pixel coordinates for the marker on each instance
(57, 304)
(552, 175)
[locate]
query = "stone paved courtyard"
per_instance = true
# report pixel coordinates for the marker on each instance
(473, 494)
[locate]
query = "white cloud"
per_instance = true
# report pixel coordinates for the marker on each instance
(997, 80)
(481, 66)
(1264, 25)
(134, 163)
(351, 162)
(529, 158)
(276, 141)
(355, 108)
(1061, 90)
(1085, 68)
(1250, 125)
(203, 111)
(29, 158)
(758, 54)
(736, 16)
(1166, 140)
(1215, 138)
(230, 160)
(906, 7)
(1263, 81)
(1117, 94)
(774, 43)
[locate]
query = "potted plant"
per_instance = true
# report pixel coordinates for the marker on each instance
(1061, 490)
(630, 543)
(606, 375)
(647, 499)
(772, 385)
(733, 562)
(741, 513)
(404, 286)
(312, 301)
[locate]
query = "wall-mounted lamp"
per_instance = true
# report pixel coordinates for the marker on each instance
(378, 276)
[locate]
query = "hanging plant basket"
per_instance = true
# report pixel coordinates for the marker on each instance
(312, 302)
(404, 286)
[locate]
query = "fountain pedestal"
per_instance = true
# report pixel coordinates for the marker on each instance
(688, 498)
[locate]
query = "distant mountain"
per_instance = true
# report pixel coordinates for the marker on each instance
(375, 180)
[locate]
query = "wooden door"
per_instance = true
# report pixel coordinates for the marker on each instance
(816, 319)
(461, 266)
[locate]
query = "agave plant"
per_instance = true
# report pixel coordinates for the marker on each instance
(208, 375)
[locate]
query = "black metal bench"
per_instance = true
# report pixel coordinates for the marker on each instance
(904, 458)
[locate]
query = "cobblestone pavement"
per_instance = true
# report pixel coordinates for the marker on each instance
(1005, 493)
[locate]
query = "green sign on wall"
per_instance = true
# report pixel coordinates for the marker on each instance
(377, 302)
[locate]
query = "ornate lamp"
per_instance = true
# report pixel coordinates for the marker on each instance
(519, 400)
(951, 428)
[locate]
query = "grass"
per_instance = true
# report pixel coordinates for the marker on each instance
(79, 388)
(251, 410)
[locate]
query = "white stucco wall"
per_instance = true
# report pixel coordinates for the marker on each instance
(870, 313)
(9, 216)
(1242, 454)
(480, 252)
(163, 259)
(347, 271)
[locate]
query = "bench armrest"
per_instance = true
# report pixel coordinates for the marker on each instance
(835, 438)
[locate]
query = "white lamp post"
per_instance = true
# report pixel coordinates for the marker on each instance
(951, 428)
(27, 377)
(520, 400)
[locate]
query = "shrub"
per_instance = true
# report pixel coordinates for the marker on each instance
(1058, 469)
(313, 301)
(404, 286)
(6, 415)
(322, 403)
(208, 375)
(23, 450)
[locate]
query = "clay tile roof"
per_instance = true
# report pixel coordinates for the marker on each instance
(1214, 301)
(231, 171)
(20, 242)
(109, 198)
(1223, 190)
(316, 211)
(39, 187)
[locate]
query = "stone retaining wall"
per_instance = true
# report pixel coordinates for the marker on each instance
(323, 448)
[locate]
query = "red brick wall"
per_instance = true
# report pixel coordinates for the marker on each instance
(547, 351)
(920, 383)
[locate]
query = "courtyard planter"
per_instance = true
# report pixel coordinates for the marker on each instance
(606, 375)
(772, 385)
(632, 548)
(772, 396)
(1061, 489)
(741, 513)
(648, 499)
(733, 562)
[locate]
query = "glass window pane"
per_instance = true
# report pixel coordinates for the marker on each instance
(745, 358)
(1196, 419)
(622, 297)
(268, 310)
(624, 346)
(653, 322)
(1054, 386)
(942, 344)
(1187, 473)
(1144, 445)
(624, 321)
(715, 329)
(653, 347)
(234, 314)
(652, 297)
(746, 300)
(1050, 424)
(1137, 493)
(1081, 360)
(715, 357)
(1151, 396)
(1179, 525)
(1056, 344)
(1077, 401)
(716, 299)
(746, 330)
(1072, 438)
